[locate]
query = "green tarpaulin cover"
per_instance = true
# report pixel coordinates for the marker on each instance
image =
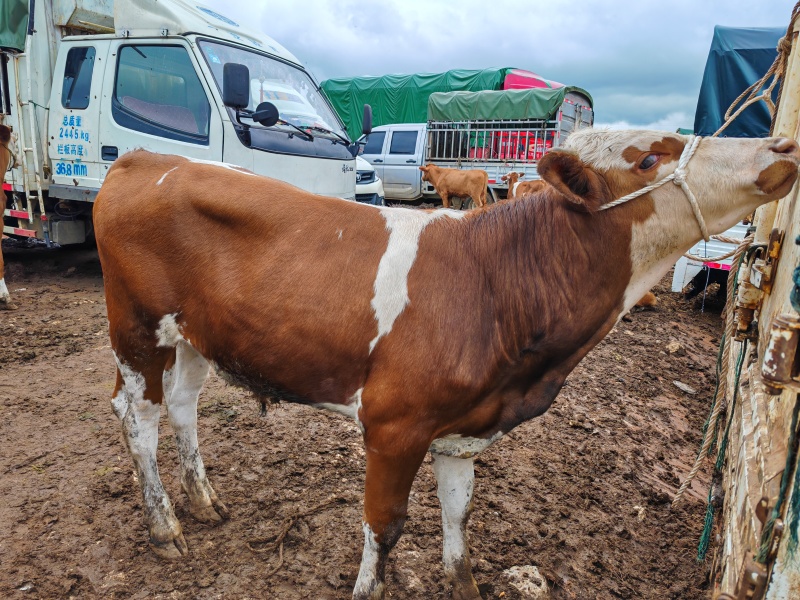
(13, 24)
(402, 98)
(738, 58)
(537, 103)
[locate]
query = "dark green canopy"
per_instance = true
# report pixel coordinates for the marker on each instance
(536, 103)
(402, 98)
(738, 58)
(13, 24)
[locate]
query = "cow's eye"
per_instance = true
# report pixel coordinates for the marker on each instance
(649, 161)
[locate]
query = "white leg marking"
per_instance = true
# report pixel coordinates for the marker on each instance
(391, 283)
(164, 176)
(182, 385)
(367, 584)
(139, 419)
(455, 478)
(4, 296)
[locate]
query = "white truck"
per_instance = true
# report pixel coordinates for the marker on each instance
(498, 131)
(85, 81)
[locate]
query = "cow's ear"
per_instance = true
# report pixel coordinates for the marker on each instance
(579, 184)
(423, 169)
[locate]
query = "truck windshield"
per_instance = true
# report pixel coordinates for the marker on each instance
(290, 89)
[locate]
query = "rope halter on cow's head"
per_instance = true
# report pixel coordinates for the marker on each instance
(678, 177)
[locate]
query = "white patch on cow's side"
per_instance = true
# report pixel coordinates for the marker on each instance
(168, 333)
(220, 164)
(455, 478)
(367, 584)
(456, 446)
(4, 296)
(164, 176)
(340, 232)
(391, 283)
(349, 409)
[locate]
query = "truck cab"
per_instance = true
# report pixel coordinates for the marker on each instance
(149, 74)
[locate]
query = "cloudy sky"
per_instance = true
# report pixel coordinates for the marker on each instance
(641, 60)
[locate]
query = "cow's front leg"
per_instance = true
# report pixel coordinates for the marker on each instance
(455, 478)
(137, 403)
(388, 483)
(182, 385)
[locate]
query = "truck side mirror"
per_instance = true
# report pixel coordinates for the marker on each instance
(235, 85)
(266, 114)
(366, 122)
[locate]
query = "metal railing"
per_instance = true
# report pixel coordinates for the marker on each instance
(491, 141)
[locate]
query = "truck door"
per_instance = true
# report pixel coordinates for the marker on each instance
(74, 116)
(374, 151)
(154, 97)
(401, 174)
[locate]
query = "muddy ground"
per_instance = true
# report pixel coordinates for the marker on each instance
(582, 493)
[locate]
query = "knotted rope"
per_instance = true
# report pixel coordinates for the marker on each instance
(723, 360)
(678, 177)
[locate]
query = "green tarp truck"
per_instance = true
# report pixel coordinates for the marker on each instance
(499, 131)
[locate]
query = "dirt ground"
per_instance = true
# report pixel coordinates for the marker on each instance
(582, 493)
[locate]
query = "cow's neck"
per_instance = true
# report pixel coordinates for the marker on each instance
(558, 277)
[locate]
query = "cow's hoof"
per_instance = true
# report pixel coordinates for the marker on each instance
(5, 305)
(466, 591)
(170, 549)
(216, 512)
(374, 593)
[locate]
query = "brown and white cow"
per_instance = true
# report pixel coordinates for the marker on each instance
(363, 310)
(5, 160)
(448, 183)
(517, 188)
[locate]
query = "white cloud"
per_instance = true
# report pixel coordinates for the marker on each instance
(641, 61)
(671, 122)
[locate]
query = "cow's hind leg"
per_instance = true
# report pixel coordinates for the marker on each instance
(182, 384)
(455, 478)
(137, 403)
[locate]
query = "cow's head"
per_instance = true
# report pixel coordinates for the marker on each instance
(426, 172)
(512, 177)
(729, 177)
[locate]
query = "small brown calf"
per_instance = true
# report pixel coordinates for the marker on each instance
(458, 183)
(517, 189)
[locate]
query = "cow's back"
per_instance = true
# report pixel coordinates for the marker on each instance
(242, 262)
